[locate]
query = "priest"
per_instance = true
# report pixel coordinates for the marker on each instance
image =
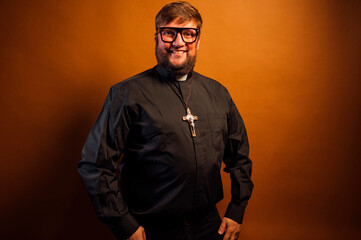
(152, 161)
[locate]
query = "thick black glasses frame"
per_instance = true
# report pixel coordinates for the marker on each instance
(179, 30)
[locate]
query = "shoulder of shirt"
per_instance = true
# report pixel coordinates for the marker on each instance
(134, 80)
(209, 81)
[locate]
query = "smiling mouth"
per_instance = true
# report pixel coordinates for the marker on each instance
(177, 51)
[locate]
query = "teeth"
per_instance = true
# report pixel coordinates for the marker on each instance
(178, 51)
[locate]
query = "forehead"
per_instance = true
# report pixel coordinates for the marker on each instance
(180, 24)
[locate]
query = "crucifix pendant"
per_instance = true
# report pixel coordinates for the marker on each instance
(190, 119)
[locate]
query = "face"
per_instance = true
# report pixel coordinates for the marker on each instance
(177, 57)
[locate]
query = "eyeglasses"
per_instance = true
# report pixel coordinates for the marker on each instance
(169, 34)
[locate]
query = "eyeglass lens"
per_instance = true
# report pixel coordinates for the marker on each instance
(189, 35)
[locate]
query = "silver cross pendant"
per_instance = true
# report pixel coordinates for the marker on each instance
(190, 119)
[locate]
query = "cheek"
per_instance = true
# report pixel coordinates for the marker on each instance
(162, 45)
(192, 50)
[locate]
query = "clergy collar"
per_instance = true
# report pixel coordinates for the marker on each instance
(171, 76)
(181, 78)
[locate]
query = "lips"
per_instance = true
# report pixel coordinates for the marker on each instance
(176, 51)
(177, 54)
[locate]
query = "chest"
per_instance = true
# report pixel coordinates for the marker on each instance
(163, 110)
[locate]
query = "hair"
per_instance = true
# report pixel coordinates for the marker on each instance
(182, 10)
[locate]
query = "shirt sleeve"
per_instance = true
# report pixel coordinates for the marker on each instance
(100, 163)
(238, 164)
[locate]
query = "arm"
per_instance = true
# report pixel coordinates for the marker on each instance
(239, 166)
(99, 164)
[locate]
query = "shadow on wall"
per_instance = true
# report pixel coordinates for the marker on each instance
(47, 200)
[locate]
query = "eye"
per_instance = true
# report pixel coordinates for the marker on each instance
(168, 33)
(189, 33)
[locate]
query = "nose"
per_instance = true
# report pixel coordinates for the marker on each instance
(178, 41)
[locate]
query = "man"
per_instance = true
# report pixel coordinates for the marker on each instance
(151, 163)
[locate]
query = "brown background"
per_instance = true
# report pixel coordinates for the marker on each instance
(292, 67)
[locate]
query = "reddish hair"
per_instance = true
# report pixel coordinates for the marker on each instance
(182, 10)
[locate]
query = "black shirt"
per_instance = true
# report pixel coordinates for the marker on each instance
(163, 170)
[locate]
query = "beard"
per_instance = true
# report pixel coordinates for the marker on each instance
(181, 69)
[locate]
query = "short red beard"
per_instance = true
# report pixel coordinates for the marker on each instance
(163, 60)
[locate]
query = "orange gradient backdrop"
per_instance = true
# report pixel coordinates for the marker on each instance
(292, 67)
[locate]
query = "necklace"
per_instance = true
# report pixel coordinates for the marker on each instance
(190, 118)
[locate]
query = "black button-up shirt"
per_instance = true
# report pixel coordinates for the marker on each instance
(163, 170)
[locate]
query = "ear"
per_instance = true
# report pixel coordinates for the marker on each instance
(155, 38)
(198, 42)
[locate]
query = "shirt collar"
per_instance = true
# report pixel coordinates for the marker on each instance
(168, 75)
